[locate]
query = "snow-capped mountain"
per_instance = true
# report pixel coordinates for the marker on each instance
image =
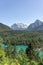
(19, 26)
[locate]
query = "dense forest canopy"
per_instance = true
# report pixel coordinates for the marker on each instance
(22, 37)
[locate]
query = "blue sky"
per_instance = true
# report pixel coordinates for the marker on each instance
(20, 11)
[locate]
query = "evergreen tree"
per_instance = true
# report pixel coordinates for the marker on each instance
(31, 51)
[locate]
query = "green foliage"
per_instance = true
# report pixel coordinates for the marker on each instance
(22, 37)
(1, 39)
(31, 51)
(9, 56)
(15, 58)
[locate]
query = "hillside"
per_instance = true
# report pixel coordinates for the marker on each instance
(4, 27)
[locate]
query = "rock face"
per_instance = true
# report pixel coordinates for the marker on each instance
(37, 25)
(19, 26)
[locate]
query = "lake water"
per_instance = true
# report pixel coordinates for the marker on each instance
(40, 53)
(19, 47)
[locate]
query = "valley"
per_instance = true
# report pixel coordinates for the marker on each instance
(21, 46)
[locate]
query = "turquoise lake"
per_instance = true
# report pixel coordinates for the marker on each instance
(40, 53)
(19, 47)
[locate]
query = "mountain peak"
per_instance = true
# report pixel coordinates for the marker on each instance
(38, 21)
(19, 26)
(35, 25)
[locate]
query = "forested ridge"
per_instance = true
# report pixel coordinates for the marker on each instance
(22, 37)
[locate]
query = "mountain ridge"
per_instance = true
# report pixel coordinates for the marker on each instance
(36, 26)
(4, 27)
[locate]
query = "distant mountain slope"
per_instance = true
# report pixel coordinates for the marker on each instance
(39, 28)
(37, 25)
(4, 27)
(19, 26)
